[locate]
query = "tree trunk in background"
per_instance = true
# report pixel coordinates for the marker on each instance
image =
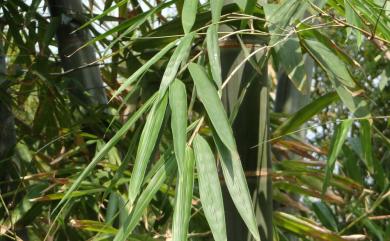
(85, 83)
(288, 98)
(250, 127)
(7, 124)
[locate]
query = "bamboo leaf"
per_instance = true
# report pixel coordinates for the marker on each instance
(134, 77)
(178, 104)
(101, 154)
(305, 114)
(325, 215)
(209, 97)
(354, 20)
(147, 144)
(237, 186)
(304, 228)
(335, 148)
(366, 144)
(94, 226)
(151, 189)
(216, 8)
(209, 188)
(334, 62)
(181, 52)
(189, 14)
(182, 213)
(213, 52)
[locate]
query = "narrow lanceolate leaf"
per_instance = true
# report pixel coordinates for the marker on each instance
(213, 52)
(178, 104)
(237, 186)
(181, 52)
(216, 8)
(189, 14)
(335, 147)
(288, 52)
(305, 114)
(101, 154)
(154, 185)
(353, 19)
(210, 189)
(366, 144)
(334, 62)
(182, 213)
(209, 97)
(147, 144)
(134, 77)
(304, 228)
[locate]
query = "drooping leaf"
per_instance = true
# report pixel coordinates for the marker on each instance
(304, 228)
(216, 8)
(237, 186)
(101, 154)
(146, 146)
(353, 18)
(183, 202)
(213, 52)
(366, 144)
(134, 77)
(335, 147)
(209, 188)
(335, 62)
(181, 52)
(149, 192)
(178, 104)
(325, 215)
(305, 114)
(209, 97)
(189, 14)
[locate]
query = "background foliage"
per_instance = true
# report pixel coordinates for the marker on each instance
(142, 166)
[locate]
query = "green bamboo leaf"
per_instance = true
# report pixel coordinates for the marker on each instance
(334, 62)
(178, 104)
(366, 144)
(305, 114)
(188, 15)
(304, 228)
(151, 189)
(102, 153)
(57, 196)
(147, 144)
(216, 8)
(209, 97)
(325, 215)
(209, 188)
(134, 77)
(94, 226)
(335, 147)
(237, 186)
(213, 52)
(182, 213)
(181, 52)
(353, 19)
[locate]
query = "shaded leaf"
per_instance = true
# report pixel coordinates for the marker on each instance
(335, 147)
